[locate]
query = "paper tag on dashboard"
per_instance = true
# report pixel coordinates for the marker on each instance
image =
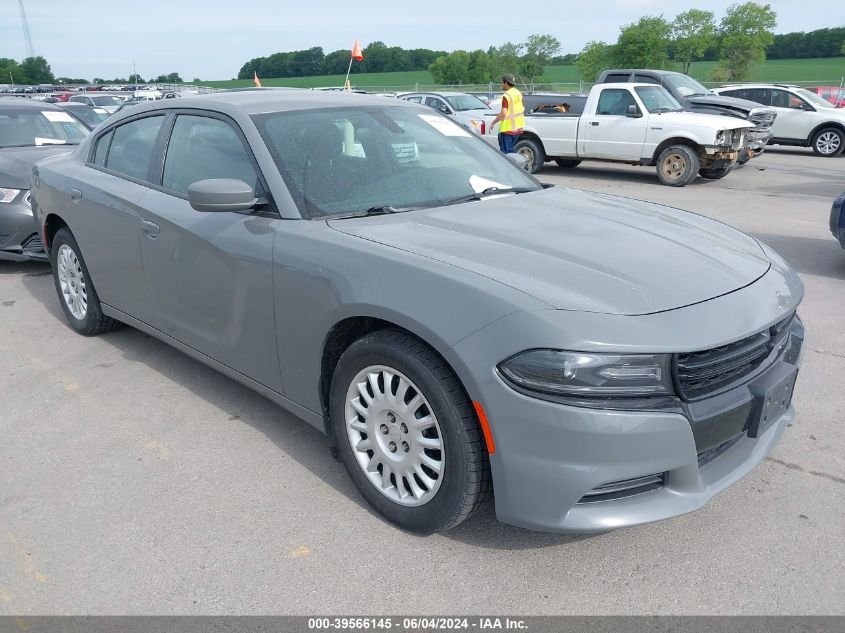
(48, 141)
(444, 126)
(57, 117)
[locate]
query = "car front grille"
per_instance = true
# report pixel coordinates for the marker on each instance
(625, 488)
(698, 374)
(705, 457)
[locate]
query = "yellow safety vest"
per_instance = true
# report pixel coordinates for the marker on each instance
(515, 114)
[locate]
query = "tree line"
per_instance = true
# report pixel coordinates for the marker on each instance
(35, 70)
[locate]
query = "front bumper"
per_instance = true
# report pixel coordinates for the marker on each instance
(757, 139)
(550, 458)
(19, 237)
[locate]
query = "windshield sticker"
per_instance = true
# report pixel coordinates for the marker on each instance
(100, 111)
(57, 117)
(480, 184)
(48, 141)
(444, 126)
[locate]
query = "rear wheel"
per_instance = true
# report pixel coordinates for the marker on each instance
(677, 166)
(407, 433)
(828, 142)
(714, 173)
(533, 151)
(567, 163)
(77, 295)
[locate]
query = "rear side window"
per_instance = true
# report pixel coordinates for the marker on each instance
(132, 147)
(201, 148)
(645, 79)
(414, 99)
(102, 149)
(617, 78)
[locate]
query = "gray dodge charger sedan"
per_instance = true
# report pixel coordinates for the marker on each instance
(459, 328)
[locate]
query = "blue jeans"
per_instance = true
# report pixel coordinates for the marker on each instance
(507, 141)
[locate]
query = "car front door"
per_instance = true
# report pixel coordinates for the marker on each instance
(795, 118)
(210, 274)
(440, 105)
(104, 198)
(609, 132)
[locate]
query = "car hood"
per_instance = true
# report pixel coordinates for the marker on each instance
(577, 250)
(700, 120)
(742, 107)
(16, 163)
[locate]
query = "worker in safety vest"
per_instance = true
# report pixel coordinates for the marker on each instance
(512, 115)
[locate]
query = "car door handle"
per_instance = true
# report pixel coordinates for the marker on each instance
(75, 194)
(150, 229)
(594, 123)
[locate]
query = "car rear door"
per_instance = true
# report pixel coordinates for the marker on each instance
(210, 274)
(103, 211)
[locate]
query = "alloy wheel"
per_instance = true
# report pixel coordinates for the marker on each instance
(828, 143)
(72, 282)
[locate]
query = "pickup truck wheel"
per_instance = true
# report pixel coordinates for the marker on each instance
(567, 163)
(677, 166)
(533, 152)
(714, 174)
(828, 142)
(407, 433)
(77, 295)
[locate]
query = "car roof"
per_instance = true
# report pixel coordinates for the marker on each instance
(757, 85)
(17, 103)
(266, 100)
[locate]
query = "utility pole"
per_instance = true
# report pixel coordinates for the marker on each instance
(30, 49)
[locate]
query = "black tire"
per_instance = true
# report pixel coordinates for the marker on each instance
(466, 482)
(94, 321)
(567, 163)
(714, 173)
(533, 150)
(677, 165)
(828, 142)
(743, 157)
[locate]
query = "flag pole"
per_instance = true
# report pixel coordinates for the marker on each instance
(348, 70)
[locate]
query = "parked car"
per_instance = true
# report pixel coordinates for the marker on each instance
(837, 219)
(452, 323)
(90, 116)
(641, 124)
(109, 103)
(29, 131)
(834, 94)
(465, 109)
(696, 98)
(804, 118)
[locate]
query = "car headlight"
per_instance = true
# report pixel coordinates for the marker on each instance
(723, 137)
(589, 374)
(7, 195)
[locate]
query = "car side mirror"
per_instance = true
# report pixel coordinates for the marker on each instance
(633, 112)
(221, 194)
(519, 160)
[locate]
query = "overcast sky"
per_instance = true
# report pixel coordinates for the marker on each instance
(211, 39)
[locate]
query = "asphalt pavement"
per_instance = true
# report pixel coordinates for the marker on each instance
(134, 480)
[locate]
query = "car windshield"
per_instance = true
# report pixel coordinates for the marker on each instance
(92, 116)
(816, 100)
(657, 99)
(29, 126)
(686, 86)
(106, 100)
(462, 103)
(343, 161)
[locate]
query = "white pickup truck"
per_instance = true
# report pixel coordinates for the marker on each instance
(638, 124)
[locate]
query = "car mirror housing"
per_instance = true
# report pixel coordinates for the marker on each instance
(221, 194)
(633, 112)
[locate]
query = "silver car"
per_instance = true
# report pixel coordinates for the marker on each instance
(465, 109)
(456, 326)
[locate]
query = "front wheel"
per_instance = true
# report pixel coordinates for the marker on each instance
(828, 142)
(677, 166)
(533, 151)
(407, 433)
(77, 295)
(714, 173)
(567, 163)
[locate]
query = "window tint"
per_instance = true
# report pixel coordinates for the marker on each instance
(102, 149)
(132, 146)
(645, 79)
(416, 99)
(785, 99)
(437, 104)
(617, 78)
(615, 102)
(201, 148)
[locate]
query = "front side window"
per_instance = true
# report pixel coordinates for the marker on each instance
(437, 104)
(21, 127)
(813, 98)
(614, 102)
(463, 103)
(132, 147)
(202, 148)
(339, 161)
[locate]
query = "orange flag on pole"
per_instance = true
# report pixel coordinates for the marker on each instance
(356, 51)
(256, 79)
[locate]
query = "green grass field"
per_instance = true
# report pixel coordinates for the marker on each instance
(821, 71)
